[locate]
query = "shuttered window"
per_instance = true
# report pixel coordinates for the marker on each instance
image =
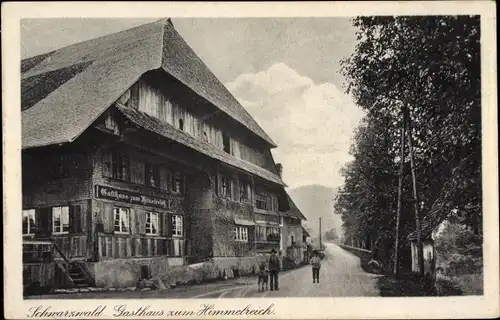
(28, 222)
(226, 143)
(152, 223)
(241, 234)
(275, 203)
(117, 166)
(121, 166)
(165, 177)
(260, 233)
(60, 220)
(107, 165)
(136, 171)
(235, 148)
(273, 234)
(177, 225)
(177, 183)
(152, 175)
(263, 202)
(224, 187)
(244, 188)
(121, 220)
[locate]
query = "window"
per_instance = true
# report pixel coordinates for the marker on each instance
(244, 191)
(121, 167)
(152, 176)
(292, 240)
(28, 222)
(261, 233)
(177, 184)
(262, 202)
(181, 124)
(225, 187)
(165, 177)
(241, 234)
(152, 223)
(116, 166)
(60, 220)
(122, 218)
(273, 234)
(177, 225)
(275, 204)
(226, 142)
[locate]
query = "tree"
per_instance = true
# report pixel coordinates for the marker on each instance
(431, 65)
(331, 235)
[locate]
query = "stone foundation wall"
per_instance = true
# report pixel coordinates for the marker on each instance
(121, 273)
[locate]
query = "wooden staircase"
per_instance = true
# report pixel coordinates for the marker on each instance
(78, 275)
(75, 271)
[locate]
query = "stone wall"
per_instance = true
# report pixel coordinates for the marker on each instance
(123, 273)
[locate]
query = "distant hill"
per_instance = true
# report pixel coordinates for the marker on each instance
(316, 201)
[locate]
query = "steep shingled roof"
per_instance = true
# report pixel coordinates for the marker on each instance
(294, 211)
(64, 91)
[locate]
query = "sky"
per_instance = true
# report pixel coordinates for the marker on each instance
(285, 72)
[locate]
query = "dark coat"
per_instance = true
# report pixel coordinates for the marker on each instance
(274, 263)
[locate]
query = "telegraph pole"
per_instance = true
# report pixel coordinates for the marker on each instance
(420, 253)
(320, 246)
(400, 192)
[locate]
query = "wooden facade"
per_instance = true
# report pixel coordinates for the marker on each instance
(115, 195)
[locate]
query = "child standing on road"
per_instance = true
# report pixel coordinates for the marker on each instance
(316, 265)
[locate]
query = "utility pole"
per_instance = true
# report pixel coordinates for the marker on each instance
(320, 245)
(400, 192)
(420, 253)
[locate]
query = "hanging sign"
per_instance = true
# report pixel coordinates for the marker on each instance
(109, 193)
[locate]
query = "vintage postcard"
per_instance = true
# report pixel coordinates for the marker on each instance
(250, 160)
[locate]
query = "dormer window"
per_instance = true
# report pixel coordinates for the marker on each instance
(226, 142)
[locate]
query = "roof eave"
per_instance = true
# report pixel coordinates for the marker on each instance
(48, 144)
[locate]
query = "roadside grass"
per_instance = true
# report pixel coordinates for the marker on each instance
(411, 285)
(408, 284)
(471, 284)
(405, 285)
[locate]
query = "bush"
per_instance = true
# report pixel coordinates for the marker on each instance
(288, 263)
(460, 259)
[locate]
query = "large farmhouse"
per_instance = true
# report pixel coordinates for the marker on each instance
(134, 154)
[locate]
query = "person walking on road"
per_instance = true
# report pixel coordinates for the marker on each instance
(274, 267)
(316, 265)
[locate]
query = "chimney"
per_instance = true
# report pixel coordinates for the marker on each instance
(279, 167)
